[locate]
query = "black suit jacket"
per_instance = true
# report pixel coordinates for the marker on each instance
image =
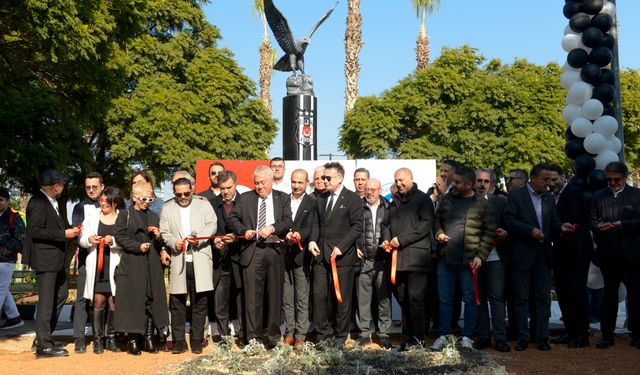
(302, 224)
(45, 242)
(222, 258)
(572, 208)
(626, 209)
(520, 219)
(343, 228)
(499, 203)
(244, 217)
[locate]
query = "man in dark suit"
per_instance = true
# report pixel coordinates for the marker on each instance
(337, 224)
(615, 222)
(532, 222)
(298, 262)
(45, 253)
(214, 190)
(571, 258)
(262, 216)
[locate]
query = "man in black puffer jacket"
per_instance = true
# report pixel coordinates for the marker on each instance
(408, 229)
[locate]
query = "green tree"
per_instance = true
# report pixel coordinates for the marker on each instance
(485, 114)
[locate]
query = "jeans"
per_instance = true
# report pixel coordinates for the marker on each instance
(447, 276)
(6, 299)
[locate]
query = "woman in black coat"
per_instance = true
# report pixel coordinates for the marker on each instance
(142, 300)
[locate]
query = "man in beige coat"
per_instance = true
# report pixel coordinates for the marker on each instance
(183, 218)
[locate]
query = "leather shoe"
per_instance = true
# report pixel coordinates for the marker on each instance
(362, 341)
(51, 352)
(564, 339)
(543, 345)
(57, 344)
(80, 346)
(288, 340)
(179, 347)
(521, 345)
(578, 342)
(133, 347)
(482, 343)
(299, 343)
(385, 342)
(605, 343)
(502, 346)
(196, 346)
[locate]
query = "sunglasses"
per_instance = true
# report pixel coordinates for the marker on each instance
(92, 188)
(328, 178)
(514, 178)
(145, 199)
(614, 180)
(183, 195)
(213, 173)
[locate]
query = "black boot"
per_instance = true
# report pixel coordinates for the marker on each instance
(111, 344)
(132, 345)
(149, 345)
(97, 322)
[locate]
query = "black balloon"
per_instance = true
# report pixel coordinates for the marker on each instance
(577, 58)
(602, 21)
(583, 165)
(574, 148)
(601, 56)
(590, 73)
(605, 93)
(592, 6)
(608, 40)
(568, 134)
(570, 8)
(579, 21)
(597, 180)
(579, 182)
(607, 76)
(592, 37)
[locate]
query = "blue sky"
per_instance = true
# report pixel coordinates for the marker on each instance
(504, 29)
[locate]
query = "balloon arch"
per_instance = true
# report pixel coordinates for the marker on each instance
(593, 135)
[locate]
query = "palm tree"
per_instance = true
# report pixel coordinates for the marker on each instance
(422, 7)
(267, 54)
(352, 46)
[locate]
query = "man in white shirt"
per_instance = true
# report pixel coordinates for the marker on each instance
(279, 183)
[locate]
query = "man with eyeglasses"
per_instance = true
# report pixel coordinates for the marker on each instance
(44, 251)
(279, 182)
(337, 224)
(517, 178)
(185, 217)
(214, 189)
(615, 223)
(93, 186)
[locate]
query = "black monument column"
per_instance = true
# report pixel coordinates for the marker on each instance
(299, 128)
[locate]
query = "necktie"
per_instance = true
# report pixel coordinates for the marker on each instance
(327, 214)
(262, 214)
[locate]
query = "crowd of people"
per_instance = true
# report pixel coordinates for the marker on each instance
(321, 258)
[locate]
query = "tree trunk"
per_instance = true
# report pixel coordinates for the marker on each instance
(352, 46)
(266, 68)
(422, 49)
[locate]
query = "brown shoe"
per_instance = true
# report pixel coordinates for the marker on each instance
(298, 344)
(288, 340)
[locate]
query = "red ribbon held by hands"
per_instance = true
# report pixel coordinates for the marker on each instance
(101, 255)
(474, 271)
(394, 261)
(79, 228)
(336, 281)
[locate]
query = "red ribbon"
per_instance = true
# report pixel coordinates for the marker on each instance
(79, 228)
(394, 261)
(474, 271)
(336, 280)
(185, 242)
(152, 229)
(101, 255)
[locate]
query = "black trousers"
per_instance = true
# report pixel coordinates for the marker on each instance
(178, 309)
(219, 310)
(571, 287)
(411, 290)
(323, 291)
(53, 290)
(615, 269)
(265, 271)
(538, 278)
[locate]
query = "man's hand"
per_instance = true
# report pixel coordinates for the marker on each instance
(360, 254)
(165, 258)
(179, 244)
(336, 252)
(443, 238)
(108, 240)
(477, 263)
(394, 242)
(95, 239)
(384, 244)
(537, 234)
(440, 186)
(144, 247)
(156, 232)
(314, 249)
(501, 233)
(218, 243)
(266, 231)
(250, 234)
(229, 238)
(567, 228)
(292, 237)
(71, 233)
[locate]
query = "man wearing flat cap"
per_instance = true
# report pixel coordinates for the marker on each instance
(44, 251)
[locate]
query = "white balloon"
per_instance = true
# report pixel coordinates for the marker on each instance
(571, 42)
(594, 278)
(571, 112)
(592, 109)
(569, 30)
(604, 158)
(622, 293)
(609, 8)
(594, 143)
(580, 92)
(569, 77)
(613, 144)
(606, 125)
(581, 127)
(566, 67)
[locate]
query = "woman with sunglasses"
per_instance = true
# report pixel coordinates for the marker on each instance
(102, 259)
(142, 299)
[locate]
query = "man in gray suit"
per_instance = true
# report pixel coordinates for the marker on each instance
(187, 216)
